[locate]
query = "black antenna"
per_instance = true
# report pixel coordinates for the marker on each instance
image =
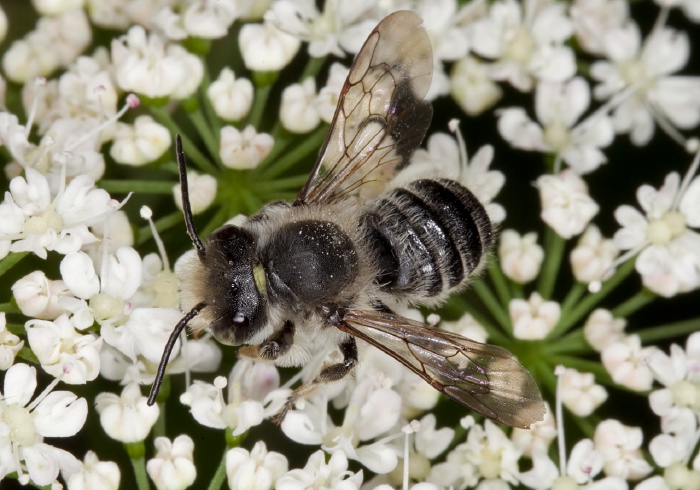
(186, 209)
(169, 349)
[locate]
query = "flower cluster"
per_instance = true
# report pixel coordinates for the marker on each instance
(91, 243)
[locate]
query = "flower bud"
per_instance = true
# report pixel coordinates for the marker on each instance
(266, 48)
(202, 191)
(242, 150)
(231, 98)
(142, 143)
(37, 296)
(534, 318)
(521, 257)
(173, 467)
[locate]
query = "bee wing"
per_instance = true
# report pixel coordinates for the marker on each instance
(486, 378)
(381, 116)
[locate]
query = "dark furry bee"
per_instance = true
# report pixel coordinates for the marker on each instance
(312, 275)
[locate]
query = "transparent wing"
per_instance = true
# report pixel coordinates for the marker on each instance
(486, 378)
(381, 116)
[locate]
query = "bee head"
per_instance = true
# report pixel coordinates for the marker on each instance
(234, 296)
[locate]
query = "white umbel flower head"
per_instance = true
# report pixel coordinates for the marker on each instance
(665, 235)
(202, 191)
(534, 318)
(679, 373)
(593, 19)
(317, 474)
(602, 329)
(521, 257)
(146, 64)
(566, 205)
(298, 113)
(63, 352)
(94, 474)
(621, 448)
(628, 363)
(580, 393)
(172, 468)
(38, 296)
(258, 469)
(471, 87)
(230, 97)
(126, 417)
(593, 256)
(266, 48)
(25, 423)
(245, 149)
(10, 345)
(143, 142)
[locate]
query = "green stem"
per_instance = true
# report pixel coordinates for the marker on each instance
(633, 304)
(9, 308)
(309, 144)
(139, 465)
(494, 307)
(206, 132)
(669, 331)
(500, 283)
(138, 186)
(554, 248)
(294, 183)
(590, 301)
(159, 426)
(11, 260)
(220, 474)
(571, 344)
(572, 298)
(191, 150)
(262, 93)
(162, 224)
(313, 66)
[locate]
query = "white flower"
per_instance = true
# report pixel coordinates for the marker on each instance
(526, 40)
(143, 142)
(248, 386)
(94, 474)
(679, 372)
(206, 20)
(24, 424)
(538, 437)
(620, 446)
(63, 352)
(566, 205)
(593, 256)
(593, 19)
(103, 298)
(327, 99)
(230, 97)
(144, 64)
(319, 475)
(466, 326)
(55, 7)
(36, 221)
(244, 149)
(266, 48)
(520, 256)
(486, 455)
(55, 43)
(602, 329)
(126, 418)
(202, 191)
(10, 345)
(298, 113)
(471, 87)
(37, 296)
(689, 7)
(628, 363)
(669, 248)
(172, 468)
(534, 318)
(558, 106)
(335, 29)
(258, 469)
(373, 410)
(647, 66)
(580, 393)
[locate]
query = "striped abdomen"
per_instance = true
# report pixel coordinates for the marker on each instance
(428, 237)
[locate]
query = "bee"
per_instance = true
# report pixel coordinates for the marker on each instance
(336, 264)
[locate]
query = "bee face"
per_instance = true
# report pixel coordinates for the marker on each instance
(237, 304)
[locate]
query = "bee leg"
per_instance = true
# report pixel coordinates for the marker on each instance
(333, 372)
(273, 347)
